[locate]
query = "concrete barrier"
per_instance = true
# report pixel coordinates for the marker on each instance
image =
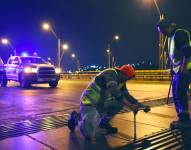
(146, 75)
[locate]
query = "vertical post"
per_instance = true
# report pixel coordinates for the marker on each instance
(78, 64)
(161, 48)
(109, 56)
(58, 55)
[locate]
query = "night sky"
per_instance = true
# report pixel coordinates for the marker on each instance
(88, 26)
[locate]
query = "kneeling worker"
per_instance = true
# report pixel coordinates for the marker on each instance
(104, 97)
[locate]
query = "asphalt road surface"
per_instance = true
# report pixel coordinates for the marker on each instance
(19, 104)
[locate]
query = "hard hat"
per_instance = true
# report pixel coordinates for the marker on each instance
(128, 70)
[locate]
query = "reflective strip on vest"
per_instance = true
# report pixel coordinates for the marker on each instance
(175, 55)
(111, 97)
(111, 82)
(91, 95)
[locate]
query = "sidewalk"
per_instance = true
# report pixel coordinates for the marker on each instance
(153, 126)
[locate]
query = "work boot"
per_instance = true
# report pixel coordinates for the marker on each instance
(107, 126)
(73, 121)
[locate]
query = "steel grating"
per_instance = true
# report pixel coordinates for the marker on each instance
(32, 126)
(166, 139)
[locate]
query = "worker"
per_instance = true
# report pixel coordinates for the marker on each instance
(179, 54)
(104, 97)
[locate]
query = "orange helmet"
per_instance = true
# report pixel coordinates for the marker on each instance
(128, 70)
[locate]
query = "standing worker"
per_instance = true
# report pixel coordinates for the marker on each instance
(179, 53)
(104, 97)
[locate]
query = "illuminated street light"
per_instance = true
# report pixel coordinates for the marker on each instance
(65, 47)
(73, 55)
(5, 41)
(116, 37)
(162, 40)
(108, 50)
(109, 54)
(47, 27)
(77, 61)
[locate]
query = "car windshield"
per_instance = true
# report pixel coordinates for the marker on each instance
(34, 60)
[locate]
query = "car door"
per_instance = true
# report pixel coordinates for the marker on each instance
(11, 68)
(15, 68)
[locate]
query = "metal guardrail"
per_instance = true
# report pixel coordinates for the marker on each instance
(143, 75)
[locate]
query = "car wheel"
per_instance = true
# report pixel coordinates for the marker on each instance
(53, 84)
(3, 80)
(24, 83)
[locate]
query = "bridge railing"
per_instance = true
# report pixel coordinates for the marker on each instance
(143, 75)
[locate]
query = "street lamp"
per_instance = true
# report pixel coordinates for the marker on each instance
(47, 27)
(162, 41)
(77, 61)
(109, 54)
(65, 47)
(5, 41)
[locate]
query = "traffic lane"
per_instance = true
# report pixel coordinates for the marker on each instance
(16, 102)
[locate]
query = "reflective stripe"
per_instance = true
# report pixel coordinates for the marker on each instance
(91, 94)
(176, 56)
(95, 87)
(110, 82)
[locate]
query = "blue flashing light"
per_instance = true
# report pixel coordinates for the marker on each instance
(24, 54)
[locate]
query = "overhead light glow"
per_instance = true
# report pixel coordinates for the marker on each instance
(46, 26)
(4, 41)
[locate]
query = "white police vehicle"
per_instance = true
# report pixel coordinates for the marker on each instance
(29, 70)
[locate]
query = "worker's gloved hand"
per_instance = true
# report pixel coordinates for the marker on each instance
(134, 107)
(146, 108)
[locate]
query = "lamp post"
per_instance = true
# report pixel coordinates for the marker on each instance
(162, 41)
(5, 41)
(77, 61)
(162, 55)
(47, 27)
(65, 47)
(111, 58)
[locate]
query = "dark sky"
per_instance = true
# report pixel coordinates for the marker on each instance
(88, 26)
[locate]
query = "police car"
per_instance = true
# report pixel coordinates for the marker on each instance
(29, 70)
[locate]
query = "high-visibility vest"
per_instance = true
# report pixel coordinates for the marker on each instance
(92, 94)
(176, 55)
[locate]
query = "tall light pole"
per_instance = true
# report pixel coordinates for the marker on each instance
(162, 41)
(162, 55)
(77, 61)
(110, 58)
(5, 41)
(65, 47)
(46, 26)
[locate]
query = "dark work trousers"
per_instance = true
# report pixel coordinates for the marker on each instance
(180, 87)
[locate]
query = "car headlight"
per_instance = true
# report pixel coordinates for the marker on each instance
(57, 70)
(30, 70)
